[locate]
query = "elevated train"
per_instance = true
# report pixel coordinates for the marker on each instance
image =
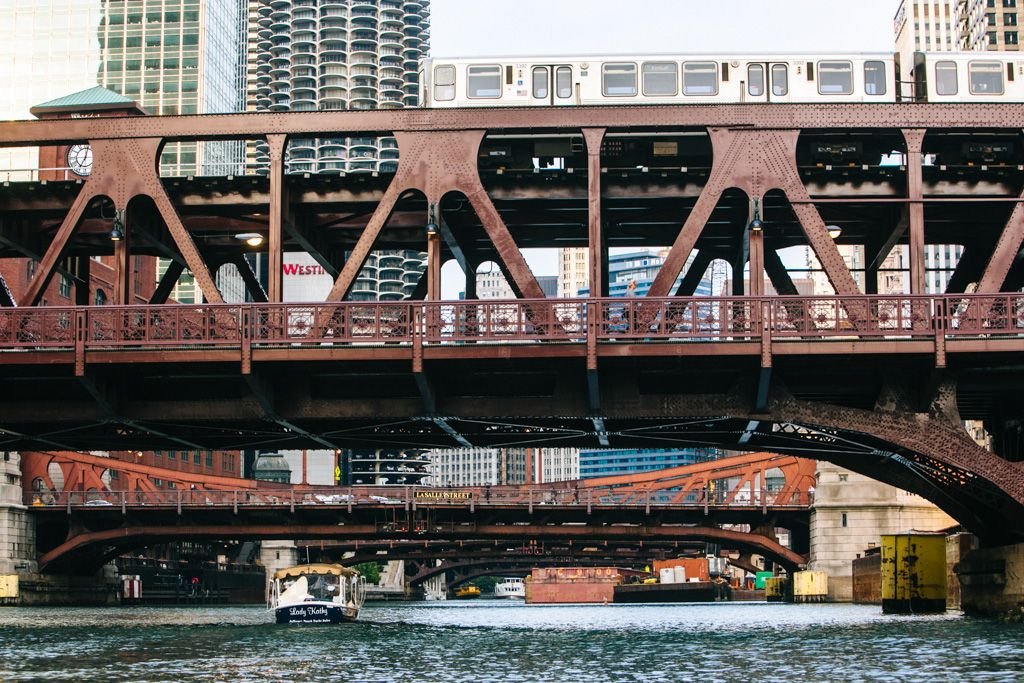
(965, 77)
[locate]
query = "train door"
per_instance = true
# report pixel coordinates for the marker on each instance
(551, 84)
(767, 82)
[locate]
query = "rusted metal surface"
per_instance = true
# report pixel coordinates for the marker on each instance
(137, 329)
(777, 116)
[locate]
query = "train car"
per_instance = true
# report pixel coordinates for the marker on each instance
(968, 77)
(721, 78)
(658, 79)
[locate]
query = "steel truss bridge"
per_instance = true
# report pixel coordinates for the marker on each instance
(89, 509)
(875, 382)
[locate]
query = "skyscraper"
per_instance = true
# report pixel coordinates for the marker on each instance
(339, 54)
(49, 50)
(181, 57)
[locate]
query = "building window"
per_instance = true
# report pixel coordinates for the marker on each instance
(992, 38)
(1009, 20)
(209, 458)
(101, 298)
(1010, 37)
(30, 268)
(1009, 3)
(64, 288)
(844, 519)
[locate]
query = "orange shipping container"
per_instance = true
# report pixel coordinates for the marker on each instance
(696, 567)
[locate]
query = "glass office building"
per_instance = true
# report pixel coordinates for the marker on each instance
(615, 461)
(179, 57)
(49, 49)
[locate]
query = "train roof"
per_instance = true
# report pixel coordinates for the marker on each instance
(781, 56)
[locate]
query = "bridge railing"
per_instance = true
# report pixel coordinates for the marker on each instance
(643, 319)
(415, 497)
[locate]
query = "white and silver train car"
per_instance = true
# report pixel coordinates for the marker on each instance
(720, 78)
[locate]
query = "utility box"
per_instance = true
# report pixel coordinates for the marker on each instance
(8, 587)
(810, 586)
(760, 578)
(913, 573)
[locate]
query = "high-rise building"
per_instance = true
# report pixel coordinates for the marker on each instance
(339, 54)
(924, 26)
(179, 57)
(574, 271)
(607, 462)
(994, 24)
(49, 50)
(632, 274)
(477, 466)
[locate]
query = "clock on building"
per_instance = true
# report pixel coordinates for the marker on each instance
(80, 159)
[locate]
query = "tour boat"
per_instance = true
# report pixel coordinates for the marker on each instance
(317, 594)
(510, 588)
(467, 592)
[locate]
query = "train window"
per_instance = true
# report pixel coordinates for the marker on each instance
(755, 80)
(835, 78)
(874, 78)
(700, 78)
(619, 80)
(540, 82)
(661, 78)
(483, 81)
(985, 78)
(945, 78)
(563, 82)
(780, 80)
(444, 83)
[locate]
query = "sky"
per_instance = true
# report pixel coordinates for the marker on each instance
(470, 28)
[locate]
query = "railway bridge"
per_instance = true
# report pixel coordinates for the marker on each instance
(876, 375)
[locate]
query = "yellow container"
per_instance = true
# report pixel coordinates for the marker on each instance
(913, 573)
(775, 589)
(8, 586)
(810, 586)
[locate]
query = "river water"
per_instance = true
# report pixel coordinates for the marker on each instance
(483, 641)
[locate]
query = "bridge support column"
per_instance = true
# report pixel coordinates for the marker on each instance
(992, 581)
(17, 531)
(276, 555)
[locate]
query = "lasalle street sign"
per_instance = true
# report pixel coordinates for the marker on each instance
(444, 495)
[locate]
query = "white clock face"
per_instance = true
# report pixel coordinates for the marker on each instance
(80, 159)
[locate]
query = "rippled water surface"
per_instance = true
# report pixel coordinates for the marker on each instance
(486, 641)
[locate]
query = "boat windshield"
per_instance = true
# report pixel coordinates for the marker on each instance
(314, 587)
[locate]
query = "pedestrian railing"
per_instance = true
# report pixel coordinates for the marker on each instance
(573, 321)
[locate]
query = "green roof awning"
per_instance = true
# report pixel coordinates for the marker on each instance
(91, 99)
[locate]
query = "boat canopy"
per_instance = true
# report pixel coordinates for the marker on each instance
(313, 570)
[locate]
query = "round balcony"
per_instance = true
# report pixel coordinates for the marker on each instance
(332, 55)
(367, 21)
(279, 106)
(388, 155)
(364, 45)
(412, 6)
(332, 152)
(331, 167)
(362, 166)
(334, 23)
(293, 168)
(335, 102)
(302, 71)
(390, 261)
(362, 58)
(333, 35)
